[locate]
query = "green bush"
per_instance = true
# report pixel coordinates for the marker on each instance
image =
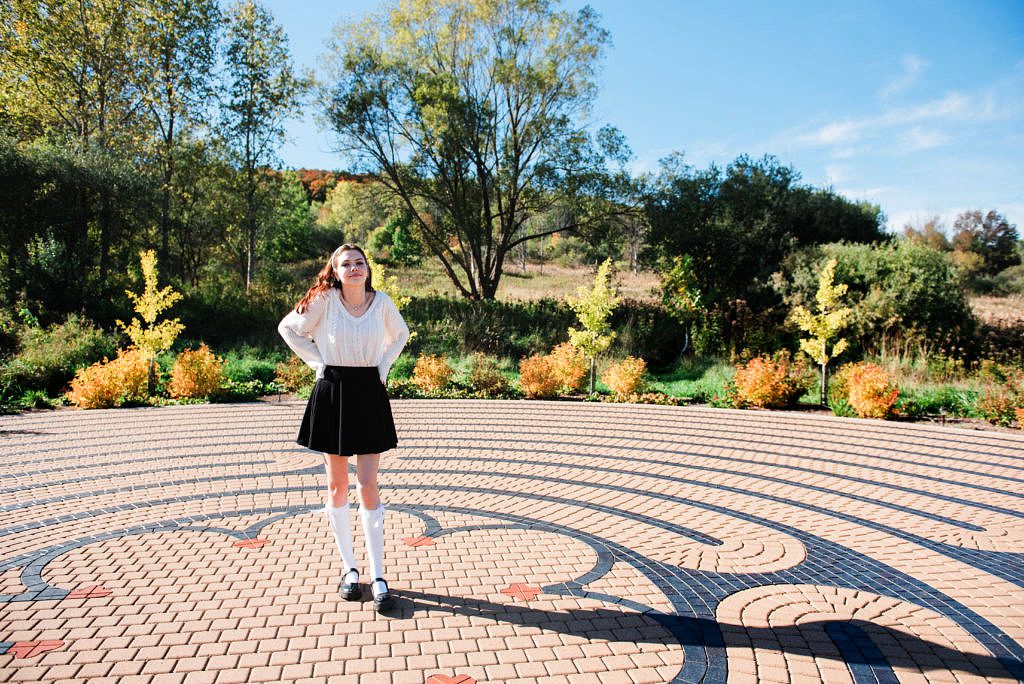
(47, 358)
(903, 295)
(920, 402)
(456, 326)
(247, 369)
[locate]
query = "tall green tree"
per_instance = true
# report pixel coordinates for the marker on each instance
(178, 52)
(471, 113)
(262, 91)
(68, 75)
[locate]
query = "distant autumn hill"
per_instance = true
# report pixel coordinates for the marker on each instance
(318, 182)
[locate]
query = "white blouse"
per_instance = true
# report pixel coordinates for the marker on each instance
(328, 335)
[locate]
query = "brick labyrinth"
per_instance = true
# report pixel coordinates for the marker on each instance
(527, 541)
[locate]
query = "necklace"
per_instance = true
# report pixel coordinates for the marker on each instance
(355, 307)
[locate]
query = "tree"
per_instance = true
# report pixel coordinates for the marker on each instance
(355, 209)
(148, 336)
(178, 52)
(471, 113)
(991, 237)
(681, 296)
(67, 74)
(932, 234)
(593, 307)
(262, 91)
(739, 224)
(823, 326)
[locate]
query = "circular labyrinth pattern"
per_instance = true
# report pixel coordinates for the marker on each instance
(526, 541)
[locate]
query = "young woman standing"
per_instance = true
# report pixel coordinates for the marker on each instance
(350, 335)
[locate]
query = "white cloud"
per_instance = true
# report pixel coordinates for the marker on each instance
(912, 67)
(903, 124)
(918, 138)
(835, 175)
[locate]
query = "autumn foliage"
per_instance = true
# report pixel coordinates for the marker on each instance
(1003, 402)
(569, 365)
(485, 375)
(196, 374)
(112, 383)
(432, 373)
(625, 377)
(870, 390)
(537, 377)
(765, 382)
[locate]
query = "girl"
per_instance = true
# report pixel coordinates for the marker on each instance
(350, 335)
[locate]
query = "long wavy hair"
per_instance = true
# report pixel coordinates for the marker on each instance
(327, 279)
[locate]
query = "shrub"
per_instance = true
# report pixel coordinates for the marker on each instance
(646, 398)
(432, 373)
(625, 377)
(485, 375)
(1020, 418)
(537, 377)
(870, 391)
(294, 375)
(569, 366)
(111, 383)
(838, 393)
(765, 382)
(196, 374)
(49, 357)
(247, 369)
(1001, 402)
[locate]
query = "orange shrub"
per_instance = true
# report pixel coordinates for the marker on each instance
(770, 383)
(485, 375)
(1020, 417)
(569, 366)
(537, 377)
(625, 377)
(111, 383)
(1003, 402)
(293, 375)
(432, 372)
(870, 390)
(196, 374)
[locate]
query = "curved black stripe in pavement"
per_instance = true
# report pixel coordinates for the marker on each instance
(753, 476)
(778, 421)
(316, 470)
(734, 459)
(867, 664)
(715, 441)
(133, 473)
(874, 576)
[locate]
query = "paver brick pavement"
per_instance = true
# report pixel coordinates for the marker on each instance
(526, 542)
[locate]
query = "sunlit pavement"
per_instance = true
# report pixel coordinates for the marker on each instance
(526, 541)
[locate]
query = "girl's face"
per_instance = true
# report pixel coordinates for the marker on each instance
(350, 267)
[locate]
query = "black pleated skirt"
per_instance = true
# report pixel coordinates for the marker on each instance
(348, 413)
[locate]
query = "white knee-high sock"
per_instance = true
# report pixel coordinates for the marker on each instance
(340, 521)
(373, 530)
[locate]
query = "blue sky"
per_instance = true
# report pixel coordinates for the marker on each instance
(917, 106)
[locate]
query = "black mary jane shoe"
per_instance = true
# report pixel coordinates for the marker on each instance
(350, 590)
(383, 601)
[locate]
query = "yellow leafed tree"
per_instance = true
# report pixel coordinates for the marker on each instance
(593, 307)
(146, 334)
(826, 324)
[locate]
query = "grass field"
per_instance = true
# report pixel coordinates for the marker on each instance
(536, 282)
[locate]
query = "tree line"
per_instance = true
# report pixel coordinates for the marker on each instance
(156, 123)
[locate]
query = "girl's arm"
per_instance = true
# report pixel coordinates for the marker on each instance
(297, 330)
(396, 334)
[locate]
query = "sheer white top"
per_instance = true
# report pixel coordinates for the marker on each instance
(328, 335)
